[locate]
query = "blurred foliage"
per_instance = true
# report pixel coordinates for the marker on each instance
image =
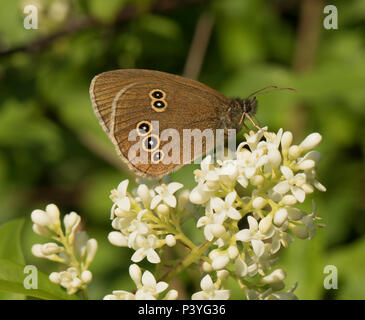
(52, 149)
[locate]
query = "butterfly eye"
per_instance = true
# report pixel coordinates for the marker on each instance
(159, 105)
(157, 94)
(150, 143)
(157, 156)
(144, 128)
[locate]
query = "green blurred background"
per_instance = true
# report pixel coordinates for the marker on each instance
(52, 149)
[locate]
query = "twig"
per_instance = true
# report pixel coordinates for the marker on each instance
(308, 34)
(129, 12)
(199, 46)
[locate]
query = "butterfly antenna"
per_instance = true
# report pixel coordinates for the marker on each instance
(273, 89)
(260, 90)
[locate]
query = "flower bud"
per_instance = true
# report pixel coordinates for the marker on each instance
(307, 188)
(207, 267)
(257, 180)
(53, 213)
(220, 262)
(86, 276)
(274, 157)
(42, 231)
(306, 165)
(91, 248)
(116, 238)
(162, 209)
(288, 200)
(294, 152)
(170, 240)
(214, 254)
(217, 230)
(71, 221)
(258, 203)
(280, 217)
(232, 252)
(54, 277)
(135, 274)
(198, 195)
(40, 218)
(286, 140)
(51, 248)
(144, 193)
(37, 250)
(310, 142)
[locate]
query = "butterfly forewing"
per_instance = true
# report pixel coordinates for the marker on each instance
(126, 99)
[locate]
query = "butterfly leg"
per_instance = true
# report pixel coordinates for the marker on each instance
(253, 122)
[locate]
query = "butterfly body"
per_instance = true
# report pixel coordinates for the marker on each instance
(133, 99)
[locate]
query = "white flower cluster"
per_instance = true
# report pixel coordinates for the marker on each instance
(147, 287)
(260, 188)
(148, 221)
(250, 213)
(72, 247)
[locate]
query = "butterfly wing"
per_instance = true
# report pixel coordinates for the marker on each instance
(122, 99)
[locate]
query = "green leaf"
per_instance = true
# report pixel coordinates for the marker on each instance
(350, 261)
(12, 278)
(10, 248)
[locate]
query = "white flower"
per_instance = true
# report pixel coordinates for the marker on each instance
(146, 248)
(295, 183)
(254, 235)
(249, 162)
(165, 193)
(150, 289)
(120, 198)
(212, 225)
(147, 287)
(252, 139)
(208, 182)
(210, 291)
(68, 279)
(224, 208)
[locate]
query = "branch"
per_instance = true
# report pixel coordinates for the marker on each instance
(129, 12)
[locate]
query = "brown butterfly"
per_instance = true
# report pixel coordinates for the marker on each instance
(132, 100)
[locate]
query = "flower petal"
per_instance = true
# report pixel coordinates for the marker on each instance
(287, 172)
(148, 279)
(155, 201)
(282, 187)
(234, 214)
(170, 200)
(152, 256)
(298, 193)
(243, 235)
(173, 187)
(258, 247)
(230, 198)
(206, 283)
